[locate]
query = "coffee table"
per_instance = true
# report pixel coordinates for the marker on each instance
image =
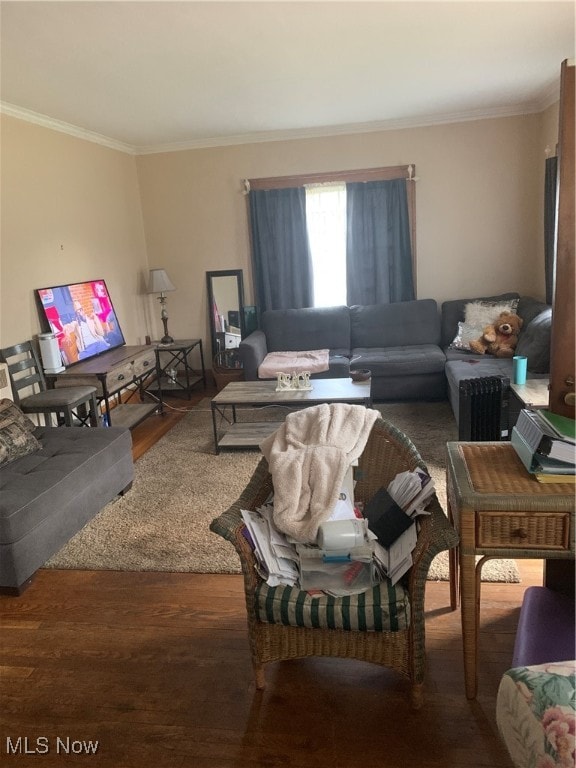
(263, 393)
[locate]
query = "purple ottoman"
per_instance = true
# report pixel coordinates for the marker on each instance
(546, 628)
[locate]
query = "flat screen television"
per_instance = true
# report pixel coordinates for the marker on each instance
(82, 317)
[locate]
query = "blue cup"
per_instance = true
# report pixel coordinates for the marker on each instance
(519, 368)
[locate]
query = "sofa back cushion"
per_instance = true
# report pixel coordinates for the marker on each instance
(399, 324)
(534, 342)
(308, 328)
(453, 313)
(529, 308)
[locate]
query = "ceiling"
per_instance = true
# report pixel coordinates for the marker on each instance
(161, 75)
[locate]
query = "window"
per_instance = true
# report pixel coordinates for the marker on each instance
(333, 238)
(326, 225)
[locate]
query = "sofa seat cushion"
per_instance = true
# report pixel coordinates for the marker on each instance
(453, 353)
(338, 367)
(473, 367)
(413, 360)
(70, 459)
(381, 608)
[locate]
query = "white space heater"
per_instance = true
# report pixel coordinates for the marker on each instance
(50, 353)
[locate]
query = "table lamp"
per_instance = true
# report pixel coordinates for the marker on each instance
(159, 282)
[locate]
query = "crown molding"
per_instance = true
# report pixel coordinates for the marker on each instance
(58, 125)
(345, 129)
(547, 97)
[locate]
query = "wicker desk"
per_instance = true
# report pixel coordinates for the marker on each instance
(500, 511)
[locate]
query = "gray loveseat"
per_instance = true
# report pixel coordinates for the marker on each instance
(407, 345)
(399, 343)
(49, 494)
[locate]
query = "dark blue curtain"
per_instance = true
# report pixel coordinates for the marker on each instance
(378, 250)
(281, 261)
(550, 226)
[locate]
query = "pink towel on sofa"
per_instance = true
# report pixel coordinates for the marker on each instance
(313, 360)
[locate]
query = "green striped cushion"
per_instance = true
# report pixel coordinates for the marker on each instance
(382, 608)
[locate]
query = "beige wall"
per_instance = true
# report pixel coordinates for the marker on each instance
(70, 211)
(479, 206)
(479, 213)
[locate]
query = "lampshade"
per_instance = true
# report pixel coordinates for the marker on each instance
(159, 282)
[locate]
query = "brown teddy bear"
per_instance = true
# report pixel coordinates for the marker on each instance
(500, 338)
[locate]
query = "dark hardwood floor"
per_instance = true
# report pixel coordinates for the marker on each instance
(155, 668)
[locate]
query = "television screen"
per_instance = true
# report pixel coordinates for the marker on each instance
(82, 317)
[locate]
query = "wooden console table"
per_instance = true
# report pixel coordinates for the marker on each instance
(500, 511)
(111, 373)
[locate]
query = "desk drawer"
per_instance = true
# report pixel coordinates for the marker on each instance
(145, 363)
(119, 377)
(526, 530)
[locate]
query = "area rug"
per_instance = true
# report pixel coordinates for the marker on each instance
(180, 485)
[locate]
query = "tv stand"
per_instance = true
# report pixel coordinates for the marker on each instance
(112, 373)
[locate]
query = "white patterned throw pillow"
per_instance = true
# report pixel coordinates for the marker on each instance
(483, 313)
(477, 315)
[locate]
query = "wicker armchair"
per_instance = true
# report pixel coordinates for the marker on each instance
(387, 452)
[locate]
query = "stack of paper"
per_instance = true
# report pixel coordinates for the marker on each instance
(394, 561)
(337, 575)
(276, 557)
(391, 514)
(412, 491)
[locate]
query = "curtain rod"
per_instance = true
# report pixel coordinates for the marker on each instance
(368, 174)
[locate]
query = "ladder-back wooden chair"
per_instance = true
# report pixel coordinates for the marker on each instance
(30, 393)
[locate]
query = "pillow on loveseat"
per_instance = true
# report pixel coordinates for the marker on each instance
(15, 441)
(16, 438)
(9, 410)
(453, 313)
(477, 315)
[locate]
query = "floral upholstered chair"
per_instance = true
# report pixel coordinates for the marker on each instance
(383, 625)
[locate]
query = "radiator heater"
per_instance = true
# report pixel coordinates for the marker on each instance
(483, 412)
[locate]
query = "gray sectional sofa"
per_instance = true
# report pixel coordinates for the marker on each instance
(49, 494)
(407, 345)
(399, 343)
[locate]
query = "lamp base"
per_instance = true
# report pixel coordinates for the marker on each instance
(166, 339)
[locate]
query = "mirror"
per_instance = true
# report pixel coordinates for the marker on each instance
(225, 308)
